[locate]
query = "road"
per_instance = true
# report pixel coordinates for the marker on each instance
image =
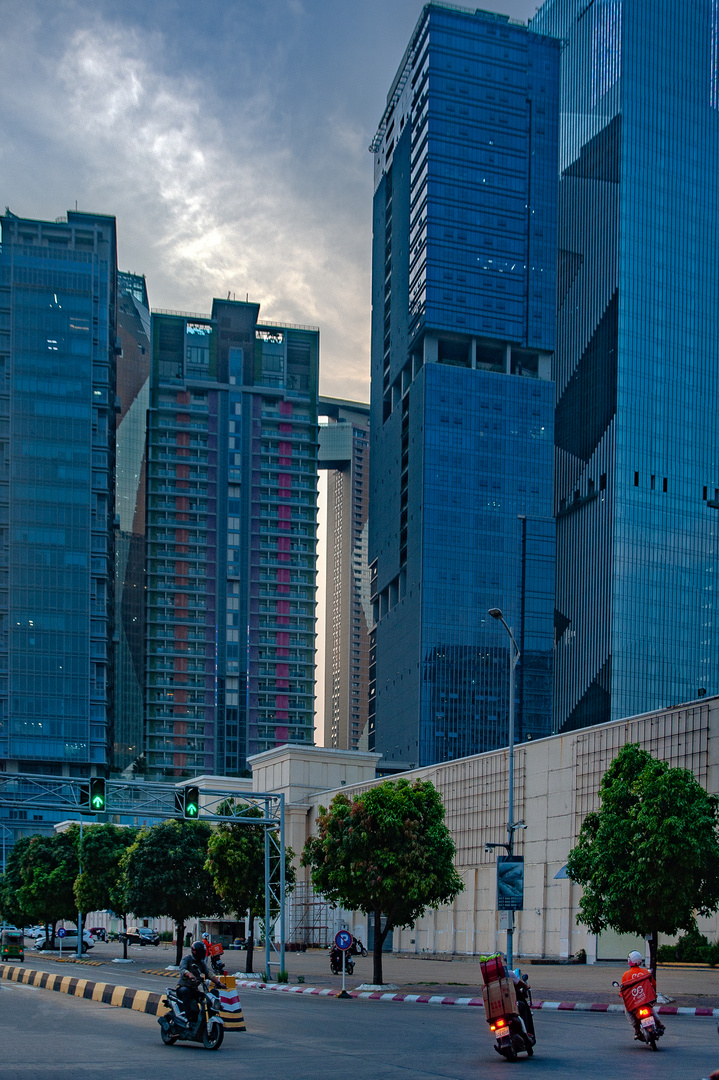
(51, 1036)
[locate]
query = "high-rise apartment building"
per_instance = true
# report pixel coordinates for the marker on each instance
(133, 393)
(57, 458)
(463, 317)
(231, 538)
(637, 468)
(344, 452)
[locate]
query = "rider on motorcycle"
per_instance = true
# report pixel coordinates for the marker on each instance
(192, 970)
(636, 971)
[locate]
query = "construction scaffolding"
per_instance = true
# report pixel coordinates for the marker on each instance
(310, 917)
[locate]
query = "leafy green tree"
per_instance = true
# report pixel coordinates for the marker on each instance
(648, 859)
(385, 852)
(11, 883)
(101, 883)
(165, 874)
(48, 869)
(236, 861)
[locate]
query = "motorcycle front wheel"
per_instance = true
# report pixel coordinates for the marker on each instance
(212, 1038)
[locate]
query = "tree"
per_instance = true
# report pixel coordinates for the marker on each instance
(101, 883)
(47, 871)
(385, 852)
(165, 874)
(236, 861)
(648, 859)
(11, 883)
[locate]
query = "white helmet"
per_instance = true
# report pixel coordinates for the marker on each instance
(635, 959)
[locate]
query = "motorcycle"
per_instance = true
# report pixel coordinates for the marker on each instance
(639, 999)
(508, 1007)
(207, 1027)
(336, 957)
(358, 948)
(214, 952)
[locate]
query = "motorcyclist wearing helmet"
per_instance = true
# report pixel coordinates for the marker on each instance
(637, 971)
(192, 970)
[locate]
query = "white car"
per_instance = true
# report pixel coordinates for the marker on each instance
(69, 942)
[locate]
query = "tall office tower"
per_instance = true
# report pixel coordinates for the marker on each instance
(57, 460)
(344, 452)
(463, 295)
(637, 468)
(133, 391)
(231, 538)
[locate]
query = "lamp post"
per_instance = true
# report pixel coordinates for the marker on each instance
(511, 826)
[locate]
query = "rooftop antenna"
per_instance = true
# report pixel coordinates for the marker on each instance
(229, 293)
(76, 204)
(247, 298)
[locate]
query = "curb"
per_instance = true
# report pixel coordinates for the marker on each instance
(108, 993)
(123, 997)
(474, 1002)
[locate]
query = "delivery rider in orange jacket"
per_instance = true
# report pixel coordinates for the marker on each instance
(636, 971)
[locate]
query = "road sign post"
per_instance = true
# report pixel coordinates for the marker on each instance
(60, 933)
(343, 941)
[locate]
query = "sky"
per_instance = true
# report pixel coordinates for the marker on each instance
(229, 140)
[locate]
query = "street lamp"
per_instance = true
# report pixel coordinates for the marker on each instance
(511, 826)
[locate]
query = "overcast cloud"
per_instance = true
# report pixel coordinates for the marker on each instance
(229, 139)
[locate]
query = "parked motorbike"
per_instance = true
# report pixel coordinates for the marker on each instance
(639, 1000)
(336, 957)
(358, 948)
(508, 1008)
(206, 1027)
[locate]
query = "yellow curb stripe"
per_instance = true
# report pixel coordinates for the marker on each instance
(140, 1001)
(65, 984)
(98, 991)
(117, 995)
(79, 990)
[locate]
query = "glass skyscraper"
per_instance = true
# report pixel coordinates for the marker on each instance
(231, 538)
(57, 458)
(133, 393)
(463, 321)
(637, 363)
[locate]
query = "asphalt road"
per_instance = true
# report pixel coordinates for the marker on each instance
(51, 1036)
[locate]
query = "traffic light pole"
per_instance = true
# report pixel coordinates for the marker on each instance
(79, 913)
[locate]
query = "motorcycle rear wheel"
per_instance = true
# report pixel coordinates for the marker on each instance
(509, 1053)
(212, 1039)
(167, 1038)
(652, 1040)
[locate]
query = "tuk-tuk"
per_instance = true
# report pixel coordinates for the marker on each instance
(12, 946)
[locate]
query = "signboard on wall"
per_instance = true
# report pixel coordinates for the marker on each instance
(510, 883)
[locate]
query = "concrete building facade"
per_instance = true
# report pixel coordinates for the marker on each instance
(556, 784)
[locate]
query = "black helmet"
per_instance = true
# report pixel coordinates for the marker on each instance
(198, 950)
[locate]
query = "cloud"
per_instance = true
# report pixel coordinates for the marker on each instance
(211, 196)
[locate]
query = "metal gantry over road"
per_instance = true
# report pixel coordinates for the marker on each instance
(139, 802)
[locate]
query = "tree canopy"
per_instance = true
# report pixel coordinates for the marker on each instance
(165, 874)
(648, 859)
(47, 868)
(101, 883)
(386, 852)
(236, 861)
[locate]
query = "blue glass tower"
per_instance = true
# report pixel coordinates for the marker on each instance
(637, 468)
(57, 401)
(463, 317)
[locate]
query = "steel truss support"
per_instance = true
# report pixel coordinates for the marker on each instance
(148, 802)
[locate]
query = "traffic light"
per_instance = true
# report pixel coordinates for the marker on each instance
(192, 802)
(97, 794)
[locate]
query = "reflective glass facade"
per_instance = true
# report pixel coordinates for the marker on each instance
(133, 392)
(464, 256)
(637, 378)
(231, 538)
(57, 398)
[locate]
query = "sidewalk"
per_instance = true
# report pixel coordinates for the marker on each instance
(458, 977)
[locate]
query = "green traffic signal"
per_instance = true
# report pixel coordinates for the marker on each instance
(192, 802)
(97, 794)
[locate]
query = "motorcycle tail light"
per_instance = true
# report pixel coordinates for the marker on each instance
(644, 1012)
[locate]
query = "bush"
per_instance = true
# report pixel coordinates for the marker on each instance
(283, 977)
(691, 948)
(166, 935)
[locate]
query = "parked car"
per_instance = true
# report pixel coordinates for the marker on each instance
(69, 942)
(99, 933)
(141, 935)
